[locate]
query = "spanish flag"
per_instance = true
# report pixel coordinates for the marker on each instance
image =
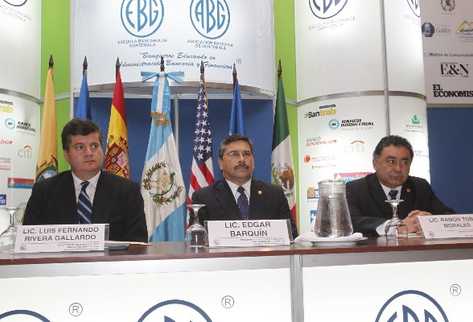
(116, 157)
(47, 159)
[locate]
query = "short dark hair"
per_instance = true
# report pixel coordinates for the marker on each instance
(77, 126)
(233, 138)
(396, 140)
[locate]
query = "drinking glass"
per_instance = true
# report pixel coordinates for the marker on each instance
(7, 237)
(196, 234)
(394, 222)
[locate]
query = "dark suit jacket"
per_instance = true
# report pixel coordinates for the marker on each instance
(117, 201)
(267, 201)
(368, 209)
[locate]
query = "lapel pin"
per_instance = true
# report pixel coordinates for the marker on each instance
(260, 192)
(408, 190)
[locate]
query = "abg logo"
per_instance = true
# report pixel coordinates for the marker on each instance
(16, 3)
(142, 18)
(26, 152)
(454, 69)
(411, 305)
(174, 311)
(325, 9)
(415, 7)
(10, 123)
(210, 18)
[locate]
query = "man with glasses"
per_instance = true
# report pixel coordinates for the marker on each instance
(367, 196)
(239, 196)
(86, 194)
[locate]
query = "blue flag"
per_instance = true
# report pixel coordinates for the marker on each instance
(162, 186)
(82, 109)
(237, 124)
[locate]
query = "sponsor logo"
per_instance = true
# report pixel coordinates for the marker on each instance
(6, 141)
(325, 9)
(25, 153)
(415, 7)
(428, 29)
(349, 124)
(454, 69)
(3, 199)
(447, 5)
(333, 124)
(312, 215)
(175, 310)
(210, 18)
(18, 315)
(356, 146)
(25, 126)
(317, 141)
(312, 193)
(142, 18)
(411, 305)
(415, 124)
(10, 123)
(465, 29)
(6, 107)
(15, 3)
(322, 110)
(438, 91)
(20, 183)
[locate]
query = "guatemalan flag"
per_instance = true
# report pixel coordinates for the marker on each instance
(162, 185)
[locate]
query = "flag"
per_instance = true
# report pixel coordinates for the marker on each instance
(282, 172)
(116, 157)
(162, 184)
(202, 173)
(47, 160)
(237, 124)
(82, 109)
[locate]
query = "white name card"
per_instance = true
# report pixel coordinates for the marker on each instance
(447, 226)
(60, 238)
(248, 233)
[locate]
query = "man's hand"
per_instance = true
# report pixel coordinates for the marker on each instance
(411, 221)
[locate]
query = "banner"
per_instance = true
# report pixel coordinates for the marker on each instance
(219, 32)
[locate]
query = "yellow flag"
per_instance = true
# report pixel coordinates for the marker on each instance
(47, 159)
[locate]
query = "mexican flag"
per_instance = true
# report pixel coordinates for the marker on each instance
(282, 170)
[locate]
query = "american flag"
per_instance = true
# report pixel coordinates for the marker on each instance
(202, 174)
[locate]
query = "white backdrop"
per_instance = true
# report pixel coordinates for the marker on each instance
(103, 30)
(448, 51)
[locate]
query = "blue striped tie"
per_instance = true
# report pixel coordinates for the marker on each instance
(84, 206)
(242, 203)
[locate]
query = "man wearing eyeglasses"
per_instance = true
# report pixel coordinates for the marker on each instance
(367, 196)
(86, 194)
(239, 196)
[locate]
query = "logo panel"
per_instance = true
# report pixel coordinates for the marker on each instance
(454, 69)
(175, 310)
(142, 18)
(325, 9)
(411, 305)
(415, 7)
(447, 5)
(210, 18)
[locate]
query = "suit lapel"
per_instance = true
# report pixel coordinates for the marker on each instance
(69, 201)
(378, 195)
(408, 195)
(256, 202)
(226, 201)
(99, 207)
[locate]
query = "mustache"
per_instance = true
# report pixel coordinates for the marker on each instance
(241, 166)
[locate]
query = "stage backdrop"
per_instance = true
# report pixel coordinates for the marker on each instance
(219, 32)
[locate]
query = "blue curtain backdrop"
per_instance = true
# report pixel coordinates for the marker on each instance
(258, 122)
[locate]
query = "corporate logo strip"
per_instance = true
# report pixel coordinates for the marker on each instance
(447, 30)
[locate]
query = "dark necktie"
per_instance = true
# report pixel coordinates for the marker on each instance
(242, 203)
(84, 206)
(392, 194)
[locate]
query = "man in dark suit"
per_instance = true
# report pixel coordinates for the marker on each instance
(86, 194)
(239, 196)
(367, 196)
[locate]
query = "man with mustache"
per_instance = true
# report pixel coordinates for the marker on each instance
(367, 196)
(87, 194)
(239, 196)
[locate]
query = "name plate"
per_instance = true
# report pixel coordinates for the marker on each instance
(248, 233)
(447, 226)
(60, 238)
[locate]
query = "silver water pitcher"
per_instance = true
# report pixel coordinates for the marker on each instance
(333, 217)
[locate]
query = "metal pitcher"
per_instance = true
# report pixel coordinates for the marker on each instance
(333, 217)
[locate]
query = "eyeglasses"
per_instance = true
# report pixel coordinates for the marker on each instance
(234, 154)
(80, 147)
